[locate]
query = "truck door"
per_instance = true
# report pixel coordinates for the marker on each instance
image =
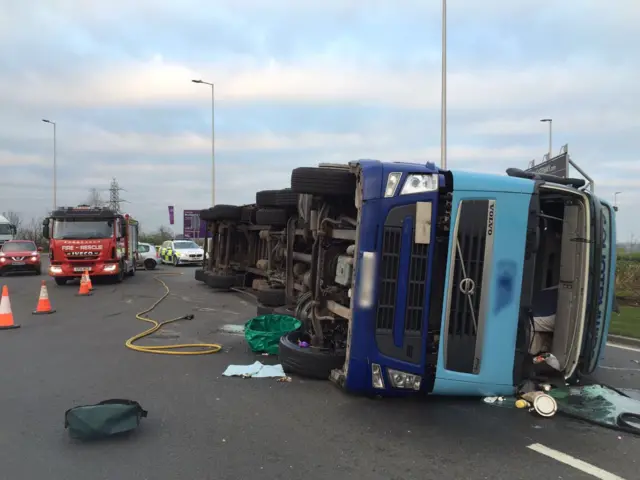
(481, 293)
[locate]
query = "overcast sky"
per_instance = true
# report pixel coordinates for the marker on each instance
(305, 81)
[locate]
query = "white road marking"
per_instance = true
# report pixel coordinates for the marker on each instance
(621, 368)
(623, 347)
(573, 462)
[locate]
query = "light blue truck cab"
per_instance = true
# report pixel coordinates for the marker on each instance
(459, 279)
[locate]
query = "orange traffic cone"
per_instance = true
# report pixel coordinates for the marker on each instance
(44, 305)
(84, 288)
(88, 280)
(6, 316)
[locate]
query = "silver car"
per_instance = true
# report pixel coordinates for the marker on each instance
(147, 256)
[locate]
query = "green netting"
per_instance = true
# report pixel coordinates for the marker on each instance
(263, 333)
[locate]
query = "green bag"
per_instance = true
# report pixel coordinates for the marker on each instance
(104, 419)
(263, 333)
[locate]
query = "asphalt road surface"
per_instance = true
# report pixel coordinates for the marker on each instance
(204, 426)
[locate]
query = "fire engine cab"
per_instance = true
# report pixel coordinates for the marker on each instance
(94, 240)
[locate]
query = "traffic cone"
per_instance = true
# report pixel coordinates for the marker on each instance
(88, 280)
(44, 305)
(84, 288)
(6, 316)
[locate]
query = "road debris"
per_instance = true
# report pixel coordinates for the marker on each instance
(255, 370)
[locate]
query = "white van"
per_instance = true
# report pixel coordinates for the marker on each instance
(7, 230)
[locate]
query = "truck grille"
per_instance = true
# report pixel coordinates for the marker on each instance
(468, 264)
(401, 300)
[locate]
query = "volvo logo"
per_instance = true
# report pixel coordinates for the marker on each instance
(467, 286)
(492, 212)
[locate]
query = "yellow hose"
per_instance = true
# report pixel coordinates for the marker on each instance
(204, 348)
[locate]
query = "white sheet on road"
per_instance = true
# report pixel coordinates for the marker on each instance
(256, 370)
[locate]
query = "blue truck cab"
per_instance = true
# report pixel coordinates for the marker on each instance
(457, 280)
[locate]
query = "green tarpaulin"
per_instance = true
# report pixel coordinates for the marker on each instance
(263, 333)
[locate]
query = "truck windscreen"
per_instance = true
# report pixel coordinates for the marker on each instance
(5, 229)
(69, 229)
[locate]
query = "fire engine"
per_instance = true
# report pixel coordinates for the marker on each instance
(94, 240)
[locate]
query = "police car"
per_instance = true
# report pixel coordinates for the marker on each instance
(181, 252)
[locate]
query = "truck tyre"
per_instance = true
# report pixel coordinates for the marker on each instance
(272, 216)
(222, 212)
(60, 281)
(222, 282)
(248, 215)
(308, 362)
(119, 277)
(283, 198)
(133, 270)
(273, 297)
(323, 181)
(263, 310)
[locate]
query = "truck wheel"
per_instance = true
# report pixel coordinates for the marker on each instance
(272, 216)
(277, 198)
(263, 310)
(248, 215)
(273, 297)
(222, 212)
(60, 281)
(310, 361)
(323, 181)
(222, 282)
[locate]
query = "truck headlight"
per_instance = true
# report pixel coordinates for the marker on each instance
(406, 381)
(420, 183)
(393, 180)
(377, 380)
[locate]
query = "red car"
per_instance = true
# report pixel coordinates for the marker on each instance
(20, 256)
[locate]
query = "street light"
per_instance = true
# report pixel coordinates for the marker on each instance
(550, 122)
(55, 174)
(615, 199)
(443, 100)
(213, 141)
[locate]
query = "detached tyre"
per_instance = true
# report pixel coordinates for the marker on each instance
(222, 212)
(308, 362)
(323, 181)
(272, 216)
(273, 297)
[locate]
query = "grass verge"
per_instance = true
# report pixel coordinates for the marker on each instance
(627, 323)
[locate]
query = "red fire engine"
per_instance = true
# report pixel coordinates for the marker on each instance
(96, 240)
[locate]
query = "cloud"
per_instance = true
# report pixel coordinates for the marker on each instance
(298, 83)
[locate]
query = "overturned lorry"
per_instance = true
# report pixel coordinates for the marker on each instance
(410, 279)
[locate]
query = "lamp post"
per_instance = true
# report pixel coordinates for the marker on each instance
(55, 167)
(213, 141)
(550, 122)
(615, 199)
(443, 100)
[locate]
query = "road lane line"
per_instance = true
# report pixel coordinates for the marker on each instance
(623, 347)
(621, 368)
(573, 462)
